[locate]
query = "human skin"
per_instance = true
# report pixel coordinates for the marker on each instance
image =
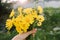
(24, 35)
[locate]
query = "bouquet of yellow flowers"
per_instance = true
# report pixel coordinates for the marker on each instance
(23, 18)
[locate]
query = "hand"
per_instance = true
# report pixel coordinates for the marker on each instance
(24, 35)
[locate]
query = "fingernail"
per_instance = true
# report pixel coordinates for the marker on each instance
(35, 28)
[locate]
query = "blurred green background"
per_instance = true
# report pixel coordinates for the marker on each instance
(50, 30)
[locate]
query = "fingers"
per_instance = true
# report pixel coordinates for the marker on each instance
(24, 35)
(33, 31)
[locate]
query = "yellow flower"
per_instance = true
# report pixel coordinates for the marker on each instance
(19, 18)
(40, 9)
(39, 23)
(24, 23)
(24, 19)
(40, 18)
(29, 19)
(9, 24)
(20, 10)
(19, 30)
(12, 13)
(34, 14)
(27, 10)
(16, 24)
(24, 26)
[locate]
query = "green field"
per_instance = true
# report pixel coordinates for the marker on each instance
(48, 31)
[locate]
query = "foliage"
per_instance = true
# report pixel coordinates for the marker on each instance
(49, 29)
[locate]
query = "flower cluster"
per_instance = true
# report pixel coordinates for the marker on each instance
(24, 18)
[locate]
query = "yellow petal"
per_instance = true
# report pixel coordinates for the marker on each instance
(12, 13)
(40, 9)
(40, 18)
(39, 23)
